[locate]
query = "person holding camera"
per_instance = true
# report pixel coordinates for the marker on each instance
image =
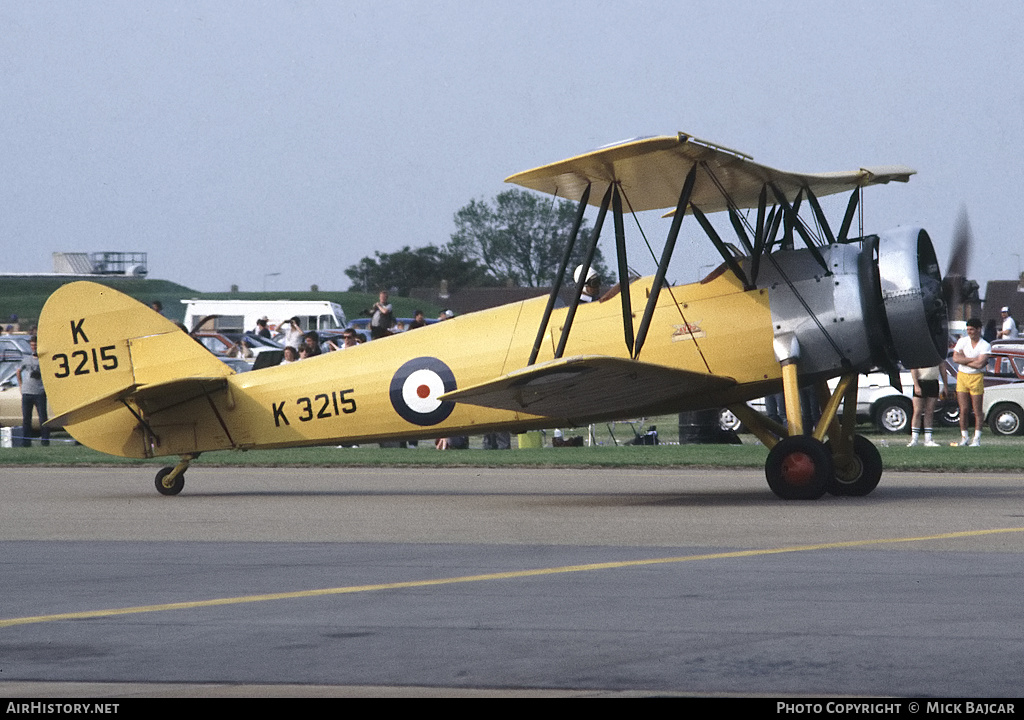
(30, 380)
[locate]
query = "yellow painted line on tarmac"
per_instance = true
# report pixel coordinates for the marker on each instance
(512, 574)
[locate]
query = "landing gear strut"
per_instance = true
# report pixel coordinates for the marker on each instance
(805, 467)
(857, 473)
(170, 480)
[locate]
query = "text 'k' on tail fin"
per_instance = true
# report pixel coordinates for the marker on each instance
(108, 361)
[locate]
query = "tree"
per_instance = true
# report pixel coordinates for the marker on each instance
(521, 238)
(403, 270)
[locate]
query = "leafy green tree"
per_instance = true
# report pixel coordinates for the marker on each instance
(520, 238)
(403, 270)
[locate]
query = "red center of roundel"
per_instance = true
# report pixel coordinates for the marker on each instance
(423, 391)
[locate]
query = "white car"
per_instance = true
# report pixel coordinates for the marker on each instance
(1003, 407)
(877, 402)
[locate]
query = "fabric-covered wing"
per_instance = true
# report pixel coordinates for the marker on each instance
(588, 386)
(651, 172)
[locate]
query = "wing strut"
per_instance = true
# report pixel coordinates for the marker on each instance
(556, 286)
(722, 248)
(820, 215)
(605, 202)
(666, 256)
(759, 236)
(620, 251)
(851, 208)
(793, 223)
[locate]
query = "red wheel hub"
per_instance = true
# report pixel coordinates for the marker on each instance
(797, 468)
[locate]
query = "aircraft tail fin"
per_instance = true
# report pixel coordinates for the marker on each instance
(101, 353)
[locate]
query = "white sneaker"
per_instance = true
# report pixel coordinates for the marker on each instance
(976, 442)
(930, 443)
(912, 443)
(963, 443)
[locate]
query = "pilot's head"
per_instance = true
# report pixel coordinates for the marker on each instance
(592, 287)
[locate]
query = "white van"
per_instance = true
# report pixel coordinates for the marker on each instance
(241, 315)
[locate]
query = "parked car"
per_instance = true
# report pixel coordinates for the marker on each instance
(878, 402)
(10, 397)
(220, 344)
(12, 349)
(1003, 407)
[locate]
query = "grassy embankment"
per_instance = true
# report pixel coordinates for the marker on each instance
(25, 296)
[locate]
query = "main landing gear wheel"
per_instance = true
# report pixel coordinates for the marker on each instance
(172, 487)
(799, 468)
(859, 474)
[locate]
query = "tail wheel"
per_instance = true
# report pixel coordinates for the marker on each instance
(799, 468)
(172, 487)
(858, 474)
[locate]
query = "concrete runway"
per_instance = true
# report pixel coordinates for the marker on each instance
(462, 582)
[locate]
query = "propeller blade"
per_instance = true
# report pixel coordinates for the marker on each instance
(953, 283)
(960, 256)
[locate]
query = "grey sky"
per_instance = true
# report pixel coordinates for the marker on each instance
(234, 139)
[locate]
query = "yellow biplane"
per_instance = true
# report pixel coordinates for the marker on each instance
(792, 305)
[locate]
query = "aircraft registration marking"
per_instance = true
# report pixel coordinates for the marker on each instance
(78, 363)
(320, 407)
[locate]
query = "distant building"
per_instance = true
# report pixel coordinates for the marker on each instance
(1004, 293)
(132, 264)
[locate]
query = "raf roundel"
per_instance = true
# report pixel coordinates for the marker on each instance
(415, 390)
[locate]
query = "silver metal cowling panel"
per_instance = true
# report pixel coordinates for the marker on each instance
(838, 339)
(912, 296)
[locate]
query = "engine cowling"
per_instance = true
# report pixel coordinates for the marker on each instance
(879, 303)
(910, 285)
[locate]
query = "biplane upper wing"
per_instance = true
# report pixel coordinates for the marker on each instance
(588, 386)
(651, 171)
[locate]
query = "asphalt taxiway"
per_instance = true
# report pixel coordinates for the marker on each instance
(463, 581)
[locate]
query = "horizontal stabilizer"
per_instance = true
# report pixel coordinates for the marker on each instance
(588, 386)
(651, 172)
(150, 398)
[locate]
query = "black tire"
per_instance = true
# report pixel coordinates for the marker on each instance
(1006, 419)
(893, 414)
(799, 468)
(949, 414)
(172, 489)
(861, 475)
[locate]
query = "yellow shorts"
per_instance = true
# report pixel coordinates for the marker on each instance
(973, 383)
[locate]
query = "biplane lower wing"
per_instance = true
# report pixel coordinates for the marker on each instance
(589, 386)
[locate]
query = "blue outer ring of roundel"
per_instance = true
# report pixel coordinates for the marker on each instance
(435, 416)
